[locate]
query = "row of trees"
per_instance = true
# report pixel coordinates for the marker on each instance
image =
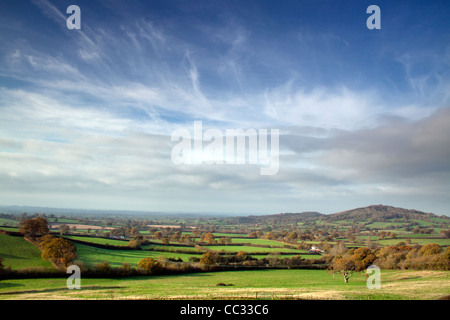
(429, 257)
(61, 252)
(168, 236)
(211, 260)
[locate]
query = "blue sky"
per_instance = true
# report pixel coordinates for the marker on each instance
(86, 115)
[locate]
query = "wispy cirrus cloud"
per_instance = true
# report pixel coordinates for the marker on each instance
(86, 116)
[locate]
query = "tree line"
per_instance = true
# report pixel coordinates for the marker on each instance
(345, 262)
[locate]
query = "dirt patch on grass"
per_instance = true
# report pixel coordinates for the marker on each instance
(272, 293)
(412, 275)
(61, 293)
(418, 285)
(323, 295)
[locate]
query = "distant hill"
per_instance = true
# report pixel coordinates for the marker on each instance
(378, 213)
(371, 213)
(282, 217)
(301, 215)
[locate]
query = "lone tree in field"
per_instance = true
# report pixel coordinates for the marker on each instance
(158, 235)
(35, 227)
(64, 229)
(209, 238)
(344, 266)
(352, 261)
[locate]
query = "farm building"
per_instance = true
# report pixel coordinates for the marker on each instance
(315, 249)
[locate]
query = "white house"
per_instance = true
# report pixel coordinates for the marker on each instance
(315, 249)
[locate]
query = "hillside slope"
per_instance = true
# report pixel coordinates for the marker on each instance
(379, 213)
(18, 253)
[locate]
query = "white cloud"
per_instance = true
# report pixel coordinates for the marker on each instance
(328, 108)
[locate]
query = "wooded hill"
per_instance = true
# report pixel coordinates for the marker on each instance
(380, 213)
(371, 213)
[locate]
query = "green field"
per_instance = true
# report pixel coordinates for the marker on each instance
(9, 222)
(91, 255)
(231, 248)
(10, 228)
(264, 242)
(99, 240)
(260, 284)
(420, 241)
(19, 253)
(231, 235)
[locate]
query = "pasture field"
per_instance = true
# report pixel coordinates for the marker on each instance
(420, 241)
(99, 240)
(10, 228)
(19, 253)
(9, 222)
(91, 255)
(231, 248)
(264, 242)
(231, 235)
(255, 284)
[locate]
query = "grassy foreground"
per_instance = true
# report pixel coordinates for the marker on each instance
(259, 284)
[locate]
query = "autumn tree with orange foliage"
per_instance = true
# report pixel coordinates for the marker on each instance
(208, 260)
(352, 261)
(149, 265)
(58, 250)
(35, 227)
(209, 238)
